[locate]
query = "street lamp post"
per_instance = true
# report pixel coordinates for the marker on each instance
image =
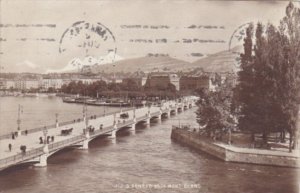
(56, 120)
(20, 110)
(1, 68)
(85, 119)
(45, 132)
(84, 111)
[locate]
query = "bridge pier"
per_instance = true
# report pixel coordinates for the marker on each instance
(175, 111)
(43, 157)
(114, 132)
(132, 129)
(133, 125)
(148, 121)
(169, 114)
(159, 117)
(85, 143)
(113, 136)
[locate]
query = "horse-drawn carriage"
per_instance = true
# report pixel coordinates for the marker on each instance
(124, 115)
(66, 131)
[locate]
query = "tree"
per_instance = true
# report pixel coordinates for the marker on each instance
(214, 112)
(268, 87)
(130, 85)
(289, 30)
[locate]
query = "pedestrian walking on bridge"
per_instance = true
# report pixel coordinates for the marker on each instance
(9, 147)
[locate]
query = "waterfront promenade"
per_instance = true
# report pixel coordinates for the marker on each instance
(232, 153)
(81, 135)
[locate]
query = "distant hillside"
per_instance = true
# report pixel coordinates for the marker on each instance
(145, 64)
(220, 62)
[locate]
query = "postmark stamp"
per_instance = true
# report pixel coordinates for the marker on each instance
(237, 39)
(88, 40)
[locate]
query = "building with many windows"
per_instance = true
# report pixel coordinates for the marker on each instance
(55, 83)
(192, 83)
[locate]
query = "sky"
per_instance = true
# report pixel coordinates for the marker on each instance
(40, 35)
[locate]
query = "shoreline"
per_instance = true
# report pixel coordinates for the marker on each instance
(229, 153)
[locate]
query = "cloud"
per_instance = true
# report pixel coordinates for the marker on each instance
(27, 25)
(76, 63)
(197, 54)
(27, 66)
(145, 26)
(27, 63)
(195, 40)
(157, 55)
(205, 27)
(163, 40)
(37, 39)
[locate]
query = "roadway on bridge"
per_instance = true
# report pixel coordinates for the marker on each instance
(32, 139)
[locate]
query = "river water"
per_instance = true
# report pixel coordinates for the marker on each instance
(144, 161)
(40, 111)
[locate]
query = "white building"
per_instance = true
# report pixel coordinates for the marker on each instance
(55, 83)
(32, 84)
(174, 79)
(10, 84)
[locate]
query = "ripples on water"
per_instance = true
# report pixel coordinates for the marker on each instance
(147, 157)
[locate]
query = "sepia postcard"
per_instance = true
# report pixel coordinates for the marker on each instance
(170, 96)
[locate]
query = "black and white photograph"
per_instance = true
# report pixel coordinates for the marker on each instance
(149, 96)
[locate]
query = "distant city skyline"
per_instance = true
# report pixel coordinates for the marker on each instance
(31, 31)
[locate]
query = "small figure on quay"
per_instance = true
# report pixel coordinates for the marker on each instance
(91, 129)
(9, 147)
(52, 138)
(41, 140)
(23, 148)
(13, 136)
(48, 139)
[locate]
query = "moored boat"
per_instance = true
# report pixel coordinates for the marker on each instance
(69, 100)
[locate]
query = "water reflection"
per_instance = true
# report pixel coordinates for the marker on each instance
(147, 157)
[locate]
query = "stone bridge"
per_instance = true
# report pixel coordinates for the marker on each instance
(81, 135)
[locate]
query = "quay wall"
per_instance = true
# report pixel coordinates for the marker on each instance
(262, 157)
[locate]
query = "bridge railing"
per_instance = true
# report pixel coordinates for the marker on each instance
(7, 136)
(66, 142)
(126, 123)
(141, 118)
(5, 162)
(155, 114)
(101, 131)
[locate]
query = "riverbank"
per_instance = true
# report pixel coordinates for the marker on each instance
(236, 154)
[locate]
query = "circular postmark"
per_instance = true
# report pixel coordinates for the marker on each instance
(92, 42)
(235, 44)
